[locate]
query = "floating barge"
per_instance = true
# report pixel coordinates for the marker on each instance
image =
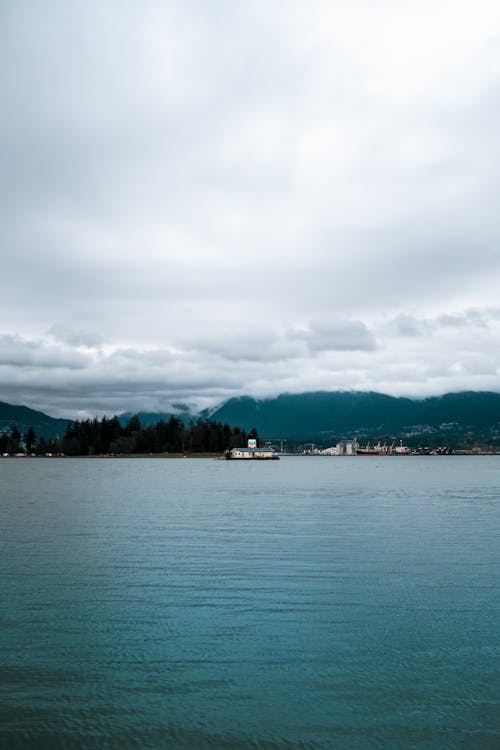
(251, 454)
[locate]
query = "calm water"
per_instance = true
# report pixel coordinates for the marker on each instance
(305, 603)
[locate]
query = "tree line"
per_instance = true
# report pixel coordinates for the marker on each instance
(15, 442)
(107, 436)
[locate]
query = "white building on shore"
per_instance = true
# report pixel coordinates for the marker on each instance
(343, 448)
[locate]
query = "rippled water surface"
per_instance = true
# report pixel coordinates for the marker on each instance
(305, 603)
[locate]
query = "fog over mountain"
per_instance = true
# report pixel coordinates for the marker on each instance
(202, 200)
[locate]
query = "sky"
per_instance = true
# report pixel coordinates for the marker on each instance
(207, 198)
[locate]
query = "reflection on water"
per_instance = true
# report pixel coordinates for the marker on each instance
(307, 603)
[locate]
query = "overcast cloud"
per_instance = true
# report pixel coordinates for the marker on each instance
(200, 199)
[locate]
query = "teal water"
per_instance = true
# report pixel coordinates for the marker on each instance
(307, 603)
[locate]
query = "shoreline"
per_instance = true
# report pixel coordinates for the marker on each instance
(458, 454)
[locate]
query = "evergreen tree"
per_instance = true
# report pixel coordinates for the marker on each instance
(30, 439)
(4, 443)
(41, 448)
(15, 438)
(133, 425)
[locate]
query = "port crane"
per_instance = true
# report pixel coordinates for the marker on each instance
(281, 441)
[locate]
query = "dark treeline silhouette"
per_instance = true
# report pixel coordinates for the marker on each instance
(107, 436)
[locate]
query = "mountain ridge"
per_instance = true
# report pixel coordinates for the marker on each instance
(25, 417)
(316, 415)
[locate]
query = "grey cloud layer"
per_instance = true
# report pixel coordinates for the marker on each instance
(83, 379)
(215, 198)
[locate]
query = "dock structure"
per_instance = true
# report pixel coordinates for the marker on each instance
(252, 452)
